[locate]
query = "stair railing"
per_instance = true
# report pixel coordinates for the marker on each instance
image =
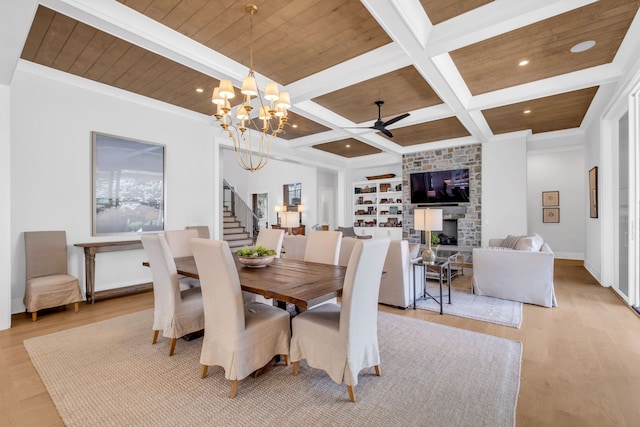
(241, 210)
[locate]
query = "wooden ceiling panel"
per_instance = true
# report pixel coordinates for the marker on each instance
(292, 40)
(493, 64)
(303, 127)
(401, 90)
(443, 10)
(551, 113)
(348, 148)
(437, 130)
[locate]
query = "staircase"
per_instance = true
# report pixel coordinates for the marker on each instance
(233, 232)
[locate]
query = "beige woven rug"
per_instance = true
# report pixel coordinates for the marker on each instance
(108, 374)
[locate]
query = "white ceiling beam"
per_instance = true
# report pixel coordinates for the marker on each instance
(15, 22)
(493, 19)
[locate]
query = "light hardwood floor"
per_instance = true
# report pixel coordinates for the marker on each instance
(580, 367)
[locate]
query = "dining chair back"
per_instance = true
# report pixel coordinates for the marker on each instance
(346, 247)
(203, 230)
(179, 242)
(294, 246)
(47, 282)
(174, 313)
(271, 238)
(323, 247)
(238, 337)
(343, 339)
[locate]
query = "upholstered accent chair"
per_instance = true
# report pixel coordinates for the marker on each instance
(343, 339)
(47, 282)
(271, 239)
(175, 313)
(238, 337)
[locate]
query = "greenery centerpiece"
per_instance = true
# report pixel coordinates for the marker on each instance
(255, 256)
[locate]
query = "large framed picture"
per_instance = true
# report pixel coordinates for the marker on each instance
(128, 185)
(550, 198)
(593, 192)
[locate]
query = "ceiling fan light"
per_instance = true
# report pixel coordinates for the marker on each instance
(226, 89)
(249, 86)
(284, 101)
(271, 92)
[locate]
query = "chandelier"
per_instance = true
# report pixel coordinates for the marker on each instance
(242, 128)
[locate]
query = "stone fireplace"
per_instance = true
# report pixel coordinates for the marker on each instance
(461, 222)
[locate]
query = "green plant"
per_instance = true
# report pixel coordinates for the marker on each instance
(435, 239)
(255, 251)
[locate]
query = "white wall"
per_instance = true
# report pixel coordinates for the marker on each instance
(51, 124)
(562, 169)
(5, 208)
(504, 184)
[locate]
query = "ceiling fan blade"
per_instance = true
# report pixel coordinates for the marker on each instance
(386, 132)
(395, 119)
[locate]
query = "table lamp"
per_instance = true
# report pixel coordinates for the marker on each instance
(278, 209)
(290, 220)
(428, 220)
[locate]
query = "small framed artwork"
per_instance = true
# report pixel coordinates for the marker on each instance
(550, 214)
(593, 192)
(550, 198)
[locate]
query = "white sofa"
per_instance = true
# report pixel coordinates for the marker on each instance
(396, 288)
(515, 274)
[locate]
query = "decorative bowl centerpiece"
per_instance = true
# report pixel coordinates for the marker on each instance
(255, 256)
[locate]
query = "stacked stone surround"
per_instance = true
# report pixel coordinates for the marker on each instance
(467, 214)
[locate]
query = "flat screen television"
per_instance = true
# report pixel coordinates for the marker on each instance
(440, 187)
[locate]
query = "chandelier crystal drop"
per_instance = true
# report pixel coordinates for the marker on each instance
(242, 128)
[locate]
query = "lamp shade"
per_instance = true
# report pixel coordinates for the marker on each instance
(278, 208)
(427, 219)
(290, 220)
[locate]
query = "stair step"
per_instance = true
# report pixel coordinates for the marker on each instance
(236, 236)
(234, 245)
(231, 224)
(233, 230)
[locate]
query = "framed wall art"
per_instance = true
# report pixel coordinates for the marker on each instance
(593, 192)
(550, 214)
(550, 198)
(128, 185)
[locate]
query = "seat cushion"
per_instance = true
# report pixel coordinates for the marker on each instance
(51, 291)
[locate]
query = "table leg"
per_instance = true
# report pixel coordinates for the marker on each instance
(441, 279)
(414, 286)
(449, 282)
(89, 274)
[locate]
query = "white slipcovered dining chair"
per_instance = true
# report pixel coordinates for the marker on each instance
(47, 282)
(346, 247)
(343, 340)
(175, 313)
(271, 238)
(323, 247)
(238, 337)
(294, 246)
(179, 242)
(202, 230)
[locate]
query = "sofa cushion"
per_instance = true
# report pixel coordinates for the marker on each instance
(510, 241)
(538, 241)
(526, 244)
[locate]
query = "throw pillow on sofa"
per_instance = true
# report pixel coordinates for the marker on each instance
(511, 241)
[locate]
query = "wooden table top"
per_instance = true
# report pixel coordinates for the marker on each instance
(304, 284)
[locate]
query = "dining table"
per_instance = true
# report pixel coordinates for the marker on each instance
(301, 283)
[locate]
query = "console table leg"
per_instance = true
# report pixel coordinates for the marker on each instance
(90, 274)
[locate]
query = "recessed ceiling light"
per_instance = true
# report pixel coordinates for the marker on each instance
(348, 145)
(527, 111)
(199, 90)
(294, 126)
(523, 62)
(582, 46)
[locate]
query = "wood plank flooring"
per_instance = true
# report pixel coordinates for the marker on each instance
(581, 361)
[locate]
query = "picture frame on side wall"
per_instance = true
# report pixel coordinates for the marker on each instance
(551, 215)
(593, 192)
(550, 198)
(128, 185)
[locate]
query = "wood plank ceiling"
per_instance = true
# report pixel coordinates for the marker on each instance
(337, 57)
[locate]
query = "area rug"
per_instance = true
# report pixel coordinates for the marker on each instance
(109, 374)
(478, 307)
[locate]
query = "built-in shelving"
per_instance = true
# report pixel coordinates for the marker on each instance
(377, 208)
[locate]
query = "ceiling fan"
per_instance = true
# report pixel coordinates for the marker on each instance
(381, 126)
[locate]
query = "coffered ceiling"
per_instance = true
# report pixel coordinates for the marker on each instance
(453, 65)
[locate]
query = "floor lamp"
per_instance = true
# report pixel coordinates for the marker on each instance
(428, 220)
(290, 220)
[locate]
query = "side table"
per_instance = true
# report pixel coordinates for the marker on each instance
(442, 267)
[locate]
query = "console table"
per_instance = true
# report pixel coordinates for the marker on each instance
(90, 251)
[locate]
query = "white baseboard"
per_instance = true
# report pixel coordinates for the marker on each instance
(594, 272)
(570, 255)
(17, 306)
